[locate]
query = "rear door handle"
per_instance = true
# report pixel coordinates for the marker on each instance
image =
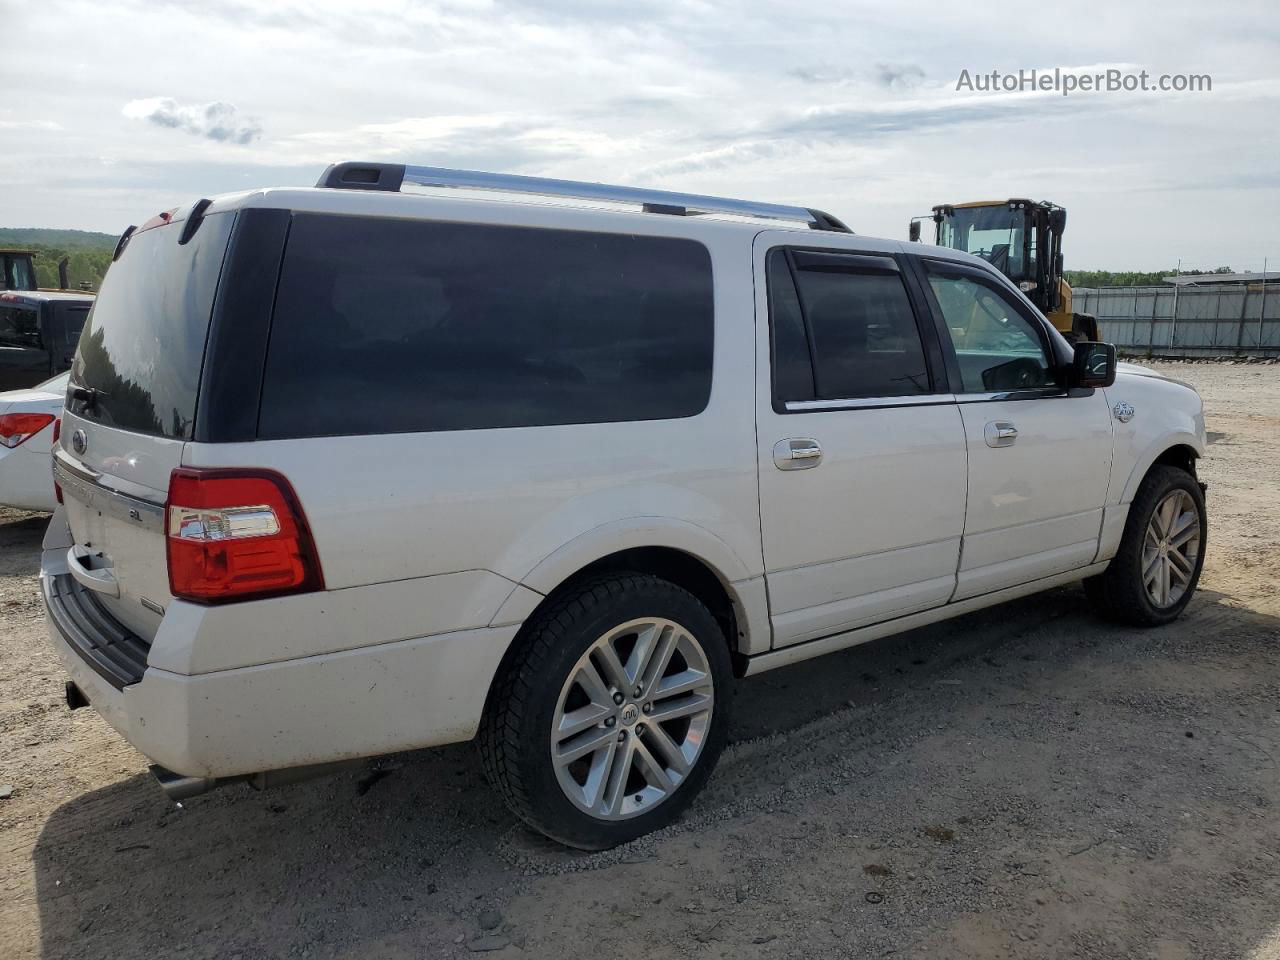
(797, 453)
(1000, 433)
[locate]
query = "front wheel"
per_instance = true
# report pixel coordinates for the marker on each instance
(1155, 572)
(612, 712)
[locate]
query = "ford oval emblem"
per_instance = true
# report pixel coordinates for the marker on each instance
(79, 442)
(1124, 411)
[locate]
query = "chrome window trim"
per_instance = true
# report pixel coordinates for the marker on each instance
(863, 403)
(1032, 393)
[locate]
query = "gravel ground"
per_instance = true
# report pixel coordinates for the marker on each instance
(1026, 781)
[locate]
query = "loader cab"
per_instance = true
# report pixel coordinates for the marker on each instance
(1023, 240)
(1020, 238)
(17, 270)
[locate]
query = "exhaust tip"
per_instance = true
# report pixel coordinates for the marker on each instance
(176, 786)
(75, 697)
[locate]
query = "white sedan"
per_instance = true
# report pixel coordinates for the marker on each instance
(26, 439)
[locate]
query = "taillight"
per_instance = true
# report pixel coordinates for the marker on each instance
(234, 534)
(17, 428)
(57, 435)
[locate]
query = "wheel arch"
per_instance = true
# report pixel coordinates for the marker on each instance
(650, 547)
(1180, 451)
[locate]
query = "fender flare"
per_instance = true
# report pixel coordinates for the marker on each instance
(1152, 453)
(618, 535)
(744, 587)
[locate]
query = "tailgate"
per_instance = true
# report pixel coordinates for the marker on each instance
(114, 494)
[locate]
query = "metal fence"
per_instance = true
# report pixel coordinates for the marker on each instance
(1209, 320)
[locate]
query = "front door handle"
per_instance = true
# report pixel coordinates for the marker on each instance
(1000, 433)
(797, 453)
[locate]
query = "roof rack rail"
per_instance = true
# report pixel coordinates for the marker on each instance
(391, 176)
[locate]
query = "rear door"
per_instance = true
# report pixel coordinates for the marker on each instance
(1039, 455)
(136, 374)
(861, 445)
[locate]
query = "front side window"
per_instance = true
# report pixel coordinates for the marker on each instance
(848, 320)
(20, 327)
(403, 326)
(997, 347)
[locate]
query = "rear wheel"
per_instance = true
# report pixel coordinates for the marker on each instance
(1155, 572)
(612, 713)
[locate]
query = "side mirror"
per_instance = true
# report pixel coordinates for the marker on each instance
(913, 231)
(1057, 220)
(1094, 365)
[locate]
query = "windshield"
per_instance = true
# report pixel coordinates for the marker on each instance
(996, 234)
(56, 384)
(143, 344)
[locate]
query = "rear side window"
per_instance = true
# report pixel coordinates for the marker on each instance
(848, 318)
(20, 327)
(394, 326)
(73, 317)
(142, 347)
(792, 364)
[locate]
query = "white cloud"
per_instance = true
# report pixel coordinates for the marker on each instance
(851, 108)
(215, 121)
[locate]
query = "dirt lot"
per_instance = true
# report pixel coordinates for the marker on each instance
(1023, 782)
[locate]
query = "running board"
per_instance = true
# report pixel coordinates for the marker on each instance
(851, 638)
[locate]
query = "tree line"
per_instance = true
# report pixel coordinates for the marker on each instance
(1131, 278)
(89, 254)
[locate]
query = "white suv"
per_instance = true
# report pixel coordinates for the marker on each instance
(419, 456)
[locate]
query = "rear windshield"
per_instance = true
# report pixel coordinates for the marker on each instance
(143, 344)
(393, 326)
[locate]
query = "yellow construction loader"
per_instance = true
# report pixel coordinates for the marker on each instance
(1023, 240)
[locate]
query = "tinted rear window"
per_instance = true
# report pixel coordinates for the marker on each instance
(391, 326)
(73, 317)
(143, 343)
(20, 327)
(847, 332)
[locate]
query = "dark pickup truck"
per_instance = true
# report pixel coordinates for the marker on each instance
(39, 330)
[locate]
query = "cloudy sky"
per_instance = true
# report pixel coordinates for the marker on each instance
(115, 109)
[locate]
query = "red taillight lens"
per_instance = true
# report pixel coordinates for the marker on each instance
(235, 534)
(17, 428)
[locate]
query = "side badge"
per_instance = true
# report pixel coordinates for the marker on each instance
(79, 442)
(1124, 411)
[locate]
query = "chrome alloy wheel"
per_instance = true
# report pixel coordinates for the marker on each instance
(1171, 548)
(632, 718)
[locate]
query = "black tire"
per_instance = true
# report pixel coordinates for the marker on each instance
(1119, 592)
(514, 736)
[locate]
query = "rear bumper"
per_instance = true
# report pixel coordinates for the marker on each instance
(374, 699)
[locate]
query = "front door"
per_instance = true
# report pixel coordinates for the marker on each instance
(1039, 455)
(861, 444)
